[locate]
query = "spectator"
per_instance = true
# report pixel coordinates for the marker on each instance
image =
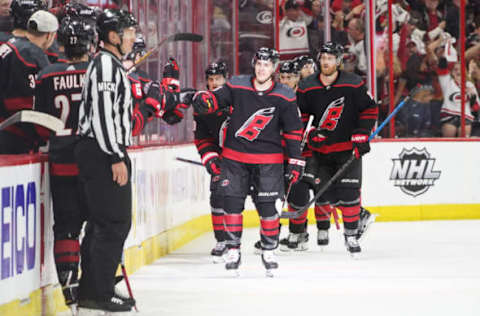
(293, 38)
(5, 19)
(358, 56)
(453, 18)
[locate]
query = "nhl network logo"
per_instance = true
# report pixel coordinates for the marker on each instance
(413, 171)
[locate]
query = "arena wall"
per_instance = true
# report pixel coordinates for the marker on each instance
(403, 181)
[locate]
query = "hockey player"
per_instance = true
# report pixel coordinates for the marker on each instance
(344, 115)
(306, 66)
(21, 11)
(208, 139)
(105, 128)
(289, 74)
(58, 93)
(77, 11)
(253, 154)
(22, 58)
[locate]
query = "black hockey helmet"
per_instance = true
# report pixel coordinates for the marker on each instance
(76, 35)
(265, 53)
(81, 11)
(22, 10)
(289, 67)
(114, 20)
(217, 68)
(139, 47)
(332, 48)
(303, 60)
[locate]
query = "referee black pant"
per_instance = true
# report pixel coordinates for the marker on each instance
(108, 223)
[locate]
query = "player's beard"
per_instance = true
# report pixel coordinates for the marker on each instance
(328, 70)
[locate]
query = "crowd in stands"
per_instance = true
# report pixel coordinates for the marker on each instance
(426, 57)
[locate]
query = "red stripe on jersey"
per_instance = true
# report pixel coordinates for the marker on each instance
(19, 103)
(325, 149)
(64, 169)
(252, 158)
(240, 87)
(203, 140)
(269, 224)
(66, 72)
(349, 85)
(203, 146)
(293, 137)
(19, 56)
(370, 111)
(309, 89)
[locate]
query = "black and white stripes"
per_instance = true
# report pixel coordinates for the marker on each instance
(106, 110)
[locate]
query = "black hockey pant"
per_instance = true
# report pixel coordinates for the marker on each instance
(108, 224)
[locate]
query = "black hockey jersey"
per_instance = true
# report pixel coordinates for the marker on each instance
(209, 132)
(339, 108)
(20, 62)
(55, 55)
(4, 37)
(59, 93)
(138, 79)
(254, 133)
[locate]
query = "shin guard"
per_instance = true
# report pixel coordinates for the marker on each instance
(218, 224)
(233, 230)
(351, 215)
(269, 232)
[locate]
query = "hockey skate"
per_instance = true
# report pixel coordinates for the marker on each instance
(353, 247)
(366, 219)
(283, 244)
(269, 261)
(298, 242)
(113, 307)
(322, 238)
(233, 260)
(218, 252)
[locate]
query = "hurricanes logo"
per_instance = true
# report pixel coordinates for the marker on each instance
(264, 17)
(413, 171)
(296, 31)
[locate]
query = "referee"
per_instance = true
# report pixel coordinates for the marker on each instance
(105, 129)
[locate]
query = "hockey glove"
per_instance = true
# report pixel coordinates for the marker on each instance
(204, 102)
(295, 170)
(171, 75)
(360, 142)
(175, 116)
(316, 137)
(211, 161)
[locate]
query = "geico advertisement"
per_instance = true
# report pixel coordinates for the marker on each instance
(19, 231)
(413, 173)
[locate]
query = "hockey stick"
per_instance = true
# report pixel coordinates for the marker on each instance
(343, 168)
(193, 162)
(35, 117)
(190, 37)
(302, 145)
(127, 282)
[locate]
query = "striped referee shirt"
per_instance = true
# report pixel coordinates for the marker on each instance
(106, 109)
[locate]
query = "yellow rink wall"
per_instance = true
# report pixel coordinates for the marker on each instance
(403, 181)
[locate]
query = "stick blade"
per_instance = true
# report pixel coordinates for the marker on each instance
(34, 117)
(191, 37)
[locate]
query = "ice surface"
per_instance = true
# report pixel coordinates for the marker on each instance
(406, 268)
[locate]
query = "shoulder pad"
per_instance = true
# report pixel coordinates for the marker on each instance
(349, 78)
(310, 81)
(242, 81)
(52, 69)
(284, 91)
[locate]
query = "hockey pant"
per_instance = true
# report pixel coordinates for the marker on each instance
(108, 224)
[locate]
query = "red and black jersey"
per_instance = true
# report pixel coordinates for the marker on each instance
(138, 79)
(55, 55)
(4, 37)
(254, 133)
(340, 108)
(209, 132)
(59, 93)
(20, 61)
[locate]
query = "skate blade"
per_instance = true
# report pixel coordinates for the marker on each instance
(284, 248)
(355, 255)
(269, 274)
(218, 259)
(301, 248)
(367, 228)
(90, 312)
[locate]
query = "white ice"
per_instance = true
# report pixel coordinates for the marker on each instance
(406, 268)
